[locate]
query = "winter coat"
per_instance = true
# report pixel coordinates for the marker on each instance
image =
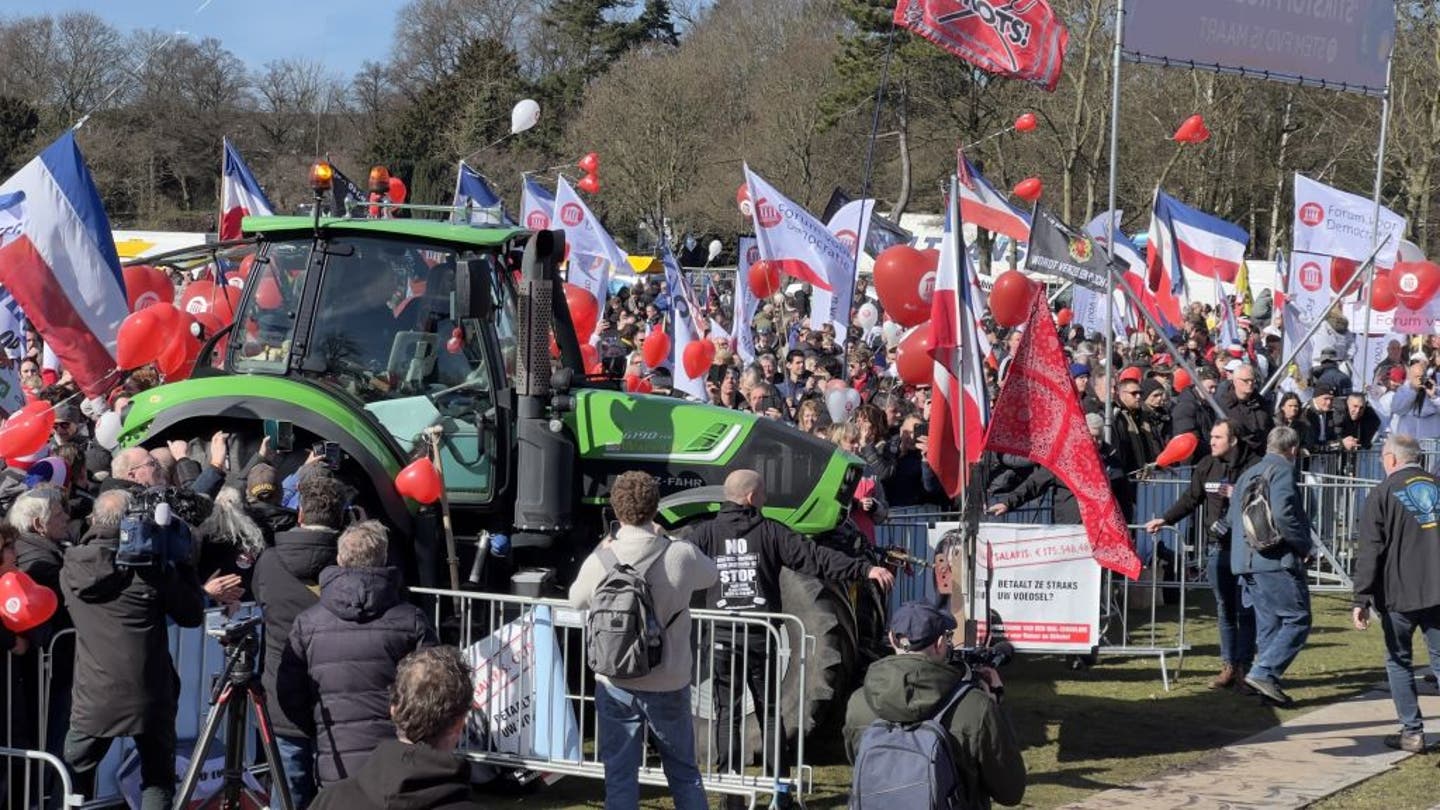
(1398, 564)
(125, 682)
(1190, 413)
(403, 776)
(1251, 419)
(1064, 509)
(1364, 429)
(750, 549)
(1288, 511)
(286, 583)
(1206, 489)
(1321, 434)
(340, 663)
(43, 559)
(1415, 412)
(910, 689)
(1134, 440)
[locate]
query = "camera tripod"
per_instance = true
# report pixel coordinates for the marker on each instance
(236, 686)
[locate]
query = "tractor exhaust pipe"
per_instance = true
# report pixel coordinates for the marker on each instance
(545, 457)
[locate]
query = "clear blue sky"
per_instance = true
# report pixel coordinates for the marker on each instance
(339, 33)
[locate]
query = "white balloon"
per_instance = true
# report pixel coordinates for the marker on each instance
(835, 402)
(107, 430)
(525, 115)
(866, 316)
(891, 331)
(1411, 252)
(716, 248)
(852, 400)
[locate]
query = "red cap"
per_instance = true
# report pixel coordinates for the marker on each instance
(1397, 375)
(1131, 374)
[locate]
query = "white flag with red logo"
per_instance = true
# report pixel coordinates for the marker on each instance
(745, 300)
(537, 206)
(1309, 287)
(798, 243)
(959, 411)
(851, 225)
(591, 255)
(1332, 222)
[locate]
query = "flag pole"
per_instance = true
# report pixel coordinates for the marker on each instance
(1111, 226)
(958, 242)
(1375, 232)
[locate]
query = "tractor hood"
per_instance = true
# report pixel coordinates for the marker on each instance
(690, 448)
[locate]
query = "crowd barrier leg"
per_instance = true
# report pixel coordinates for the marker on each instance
(37, 769)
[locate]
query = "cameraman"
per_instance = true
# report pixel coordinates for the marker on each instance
(916, 682)
(125, 682)
(1414, 408)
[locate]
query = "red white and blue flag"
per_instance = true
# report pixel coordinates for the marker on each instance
(796, 241)
(57, 258)
(1184, 238)
(960, 411)
(240, 195)
(537, 205)
(981, 205)
(474, 195)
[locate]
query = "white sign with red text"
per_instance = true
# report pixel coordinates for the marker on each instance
(1044, 587)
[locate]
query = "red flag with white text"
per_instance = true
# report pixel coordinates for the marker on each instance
(1022, 39)
(1037, 416)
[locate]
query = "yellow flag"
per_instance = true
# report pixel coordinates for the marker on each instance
(1242, 290)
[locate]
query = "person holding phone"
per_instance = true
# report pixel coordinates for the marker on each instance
(1414, 408)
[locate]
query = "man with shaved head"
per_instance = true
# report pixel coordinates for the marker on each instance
(750, 549)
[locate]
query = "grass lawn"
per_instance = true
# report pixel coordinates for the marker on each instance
(1114, 724)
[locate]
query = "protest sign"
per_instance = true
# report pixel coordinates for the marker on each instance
(1044, 587)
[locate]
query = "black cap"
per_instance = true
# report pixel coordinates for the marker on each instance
(1323, 390)
(921, 624)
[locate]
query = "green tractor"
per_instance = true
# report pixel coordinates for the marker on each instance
(394, 339)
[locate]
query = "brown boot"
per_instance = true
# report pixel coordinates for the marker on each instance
(1227, 677)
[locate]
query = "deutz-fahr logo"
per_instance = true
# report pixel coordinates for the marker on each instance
(1081, 249)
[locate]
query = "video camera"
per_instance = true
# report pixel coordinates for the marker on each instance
(231, 629)
(994, 655)
(155, 528)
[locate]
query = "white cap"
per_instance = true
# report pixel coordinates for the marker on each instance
(1233, 366)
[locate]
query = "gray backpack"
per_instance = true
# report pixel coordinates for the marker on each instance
(625, 639)
(909, 766)
(1257, 519)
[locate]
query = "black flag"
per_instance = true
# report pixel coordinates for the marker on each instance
(1056, 249)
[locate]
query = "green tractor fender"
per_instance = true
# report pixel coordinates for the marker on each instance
(255, 398)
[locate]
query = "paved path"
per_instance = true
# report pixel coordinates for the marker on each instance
(1289, 766)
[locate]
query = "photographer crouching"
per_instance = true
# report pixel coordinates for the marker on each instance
(120, 592)
(923, 718)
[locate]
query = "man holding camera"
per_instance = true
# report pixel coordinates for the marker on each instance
(125, 682)
(919, 683)
(1211, 486)
(1414, 408)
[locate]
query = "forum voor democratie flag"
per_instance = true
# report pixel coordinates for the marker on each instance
(745, 301)
(961, 410)
(851, 224)
(537, 206)
(58, 259)
(683, 326)
(473, 192)
(798, 243)
(1022, 39)
(591, 254)
(240, 195)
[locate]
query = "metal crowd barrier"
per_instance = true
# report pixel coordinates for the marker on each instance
(530, 649)
(26, 777)
(1121, 632)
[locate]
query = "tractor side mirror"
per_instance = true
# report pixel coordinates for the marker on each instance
(473, 297)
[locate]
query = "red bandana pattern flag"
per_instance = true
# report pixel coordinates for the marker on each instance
(1022, 39)
(1037, 416)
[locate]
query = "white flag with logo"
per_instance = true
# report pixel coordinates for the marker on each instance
(745, 301)
(798, 243)
(851, 225)
(1332, 222)
(593, 255)
(1309, 286)
(537, 206)
(682, 329)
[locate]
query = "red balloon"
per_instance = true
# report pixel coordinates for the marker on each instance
(27, 430)
(1010, 298)
(1179, 450)
(742, 200)
(1181, 380)
(1415, 283)
(397, 191)
(1029, 189)
(591, 357)
(1382, 293)
(140, 339)
(419, 481)
(584, 310)
(1192, 130)
(268, 295)
(590, 164)
(1026, 122)
(636, 384)
(1341, 271)
(1064, 317)
(913, 360)
(169, 319)
(24, 603)
(237, 278)
(590, 184)
(698, 356)
(764, 278)
(145, 285)
(656, 348)
(905, 281)
(177, 361)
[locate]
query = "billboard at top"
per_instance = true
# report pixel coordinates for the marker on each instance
(1338, 44)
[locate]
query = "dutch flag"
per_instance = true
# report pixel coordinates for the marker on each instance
(1184, 238)
(240, 195)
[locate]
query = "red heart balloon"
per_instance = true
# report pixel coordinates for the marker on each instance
(145, 285)
(905, 282)
(742, 200)
(1178, 450)
(1065, 316)
(24, 603)
(591, 356)
(590, 184)
(140, 339)
(698, 356)
(27, 430)
(584, 310)
(1341, 271)
(1026, 122)
(1010, 298)
(764, 278)
(178, 359)
(655, 349)
(396, 190)
(419, 481)
(1415, 283)
(1029, 189)
(913, 361)
(1192, 130)
(1382, 293)
(590, 164)
(636, 384)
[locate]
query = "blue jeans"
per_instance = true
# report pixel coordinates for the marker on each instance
(297, 756)
(1236, 620)
(623, 714)
(1399, 633)
(1282, 619)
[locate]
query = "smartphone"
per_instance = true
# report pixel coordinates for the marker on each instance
(281, 435)
(922, 430)
(329, 453)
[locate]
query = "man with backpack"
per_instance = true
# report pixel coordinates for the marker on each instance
(1269, 546)
(923, 733)
(637, 588)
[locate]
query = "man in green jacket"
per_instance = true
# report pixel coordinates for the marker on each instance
(913, 684)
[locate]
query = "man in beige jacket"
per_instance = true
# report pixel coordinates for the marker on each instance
(660, 699)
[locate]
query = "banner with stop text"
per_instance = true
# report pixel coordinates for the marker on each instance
(1042, 584)
(521, 705)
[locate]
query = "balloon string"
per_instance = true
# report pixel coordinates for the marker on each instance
(990, 137)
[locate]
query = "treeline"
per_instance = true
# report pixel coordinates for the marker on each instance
(674, 96)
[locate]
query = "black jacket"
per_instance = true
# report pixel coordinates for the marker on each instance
(751, 549)
(1134, 440)
(1251, 418)
(286, 582)
(125, 682)
(340, 663)
(1192, 414)
(1398, 564)
(1365, 428)
(1205, 488)
(42, 559)
(401, 776)
(1321, 431)
(1064, 509)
